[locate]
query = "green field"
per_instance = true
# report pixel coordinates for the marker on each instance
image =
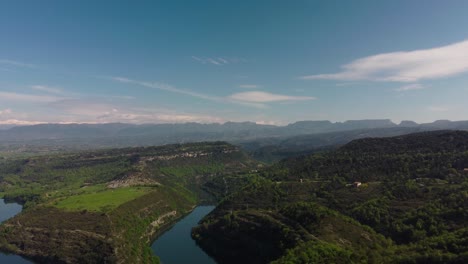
(102, 201)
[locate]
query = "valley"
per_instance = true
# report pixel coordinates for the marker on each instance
(410, 206)
(399, 199)
(107, 206)
(233, 132)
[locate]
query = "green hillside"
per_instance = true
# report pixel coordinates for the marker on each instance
(411, 206)
(107, 206)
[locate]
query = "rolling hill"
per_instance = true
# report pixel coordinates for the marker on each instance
(410, 206)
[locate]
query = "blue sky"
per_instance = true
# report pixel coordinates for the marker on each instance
(215, 61)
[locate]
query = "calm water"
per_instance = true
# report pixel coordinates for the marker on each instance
(7, 211)
(177, 246)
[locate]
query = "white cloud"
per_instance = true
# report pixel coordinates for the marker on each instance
(410, 87)
(20, 97)
(8, 117)
(97, 111)
(252, 99)
(250, 86)
(83, 107)
(222, 60)
(166, 87)
(169, 88)
(19, 122)
(219, 61)
(405, 66)
(208, 61)
(264, 97)
(265, 122)
(47, 89)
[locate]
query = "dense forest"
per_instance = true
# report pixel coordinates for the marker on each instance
(401, 199)
(377, 200)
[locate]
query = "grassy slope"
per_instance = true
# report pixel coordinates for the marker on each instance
(105, 200)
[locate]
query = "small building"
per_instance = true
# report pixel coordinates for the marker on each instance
(356, 184)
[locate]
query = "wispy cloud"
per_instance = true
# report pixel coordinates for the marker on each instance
(218, 60)
(410, 87)
(8, 117)
(404, 66)
(21, 97)
(16, 122)
(250, 86)
(264, 97)
(98, 111)
(83, 107)
(255, 99)
(47, 89)
(167, 87)
(16, 63)
(267, 122)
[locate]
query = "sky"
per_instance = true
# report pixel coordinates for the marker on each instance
(270, 62)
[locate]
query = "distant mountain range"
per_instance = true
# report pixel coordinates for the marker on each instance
(299, 136)
(229, 130)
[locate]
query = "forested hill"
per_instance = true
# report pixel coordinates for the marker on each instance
(434, 141)
(435, 154)
(410, 205)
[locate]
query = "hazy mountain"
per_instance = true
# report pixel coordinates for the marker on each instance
(4, 127)
(299, 136)
(274, 149)
(229, 130)
(61, 131)
(447, 124)
(408, 123)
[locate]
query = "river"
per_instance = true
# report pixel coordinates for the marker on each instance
(174, 246)
(177, 246)
(8, 210)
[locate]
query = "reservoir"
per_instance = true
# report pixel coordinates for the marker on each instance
(8, 210)
(177, 246)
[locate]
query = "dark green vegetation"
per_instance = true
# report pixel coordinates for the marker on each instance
(107, 206)
(274, 149)
(412, 206)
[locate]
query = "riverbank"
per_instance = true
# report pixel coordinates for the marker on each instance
(176, 245)
(75, 213)
(8, 210)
